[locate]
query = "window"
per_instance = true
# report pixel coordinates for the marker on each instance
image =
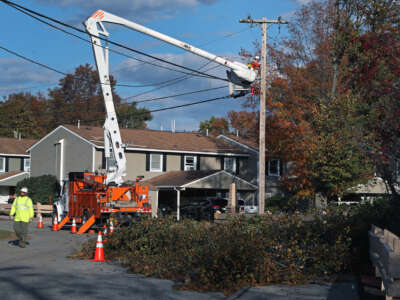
(190, 163)
(156, 162)
(2, 164)
(274, 167)
(27, 164)
(230, 164)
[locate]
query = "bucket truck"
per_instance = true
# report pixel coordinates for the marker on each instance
(89, 197)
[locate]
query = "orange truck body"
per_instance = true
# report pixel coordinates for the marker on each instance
(89, 195)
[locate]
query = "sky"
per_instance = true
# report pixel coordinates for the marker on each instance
(212, 25)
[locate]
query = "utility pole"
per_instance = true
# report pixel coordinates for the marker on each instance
(263, 106)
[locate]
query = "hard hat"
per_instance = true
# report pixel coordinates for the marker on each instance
(24, 190)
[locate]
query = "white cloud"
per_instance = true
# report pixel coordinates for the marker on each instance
(187, 118)
(17, 74)
(139, 9)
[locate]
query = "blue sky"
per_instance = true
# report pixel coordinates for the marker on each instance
(212, 25)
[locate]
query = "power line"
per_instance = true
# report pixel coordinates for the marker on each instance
(111, 50)
(178, 95)
(53, 69)
(14, 5)
(142, 112)
(173, 81)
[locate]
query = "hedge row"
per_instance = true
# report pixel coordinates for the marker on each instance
(241, 252)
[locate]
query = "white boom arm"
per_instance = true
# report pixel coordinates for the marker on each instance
(116, 163)
(240, 75)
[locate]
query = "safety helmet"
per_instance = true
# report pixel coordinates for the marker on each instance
(24, 190)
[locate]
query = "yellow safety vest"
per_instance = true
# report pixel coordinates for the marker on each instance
(22, 208)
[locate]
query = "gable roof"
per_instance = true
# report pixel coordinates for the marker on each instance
(244, 142)
(12, 178)
(215, 179)
(145, 139)
(15, 146)
(179, 178)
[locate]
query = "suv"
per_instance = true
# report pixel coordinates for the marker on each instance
(220, 204)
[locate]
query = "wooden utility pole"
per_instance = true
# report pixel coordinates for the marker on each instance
(263, 106)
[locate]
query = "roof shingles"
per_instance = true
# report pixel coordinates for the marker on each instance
(15, 146)
(160, 140)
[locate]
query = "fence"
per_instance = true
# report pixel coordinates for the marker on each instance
(384, 251)
(38, 209)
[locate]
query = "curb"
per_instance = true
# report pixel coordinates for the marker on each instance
(239, 293)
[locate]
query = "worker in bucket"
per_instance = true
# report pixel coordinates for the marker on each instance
(22, 208)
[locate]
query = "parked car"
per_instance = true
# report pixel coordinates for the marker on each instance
(250, 209)
(220, 204)
(198, 210)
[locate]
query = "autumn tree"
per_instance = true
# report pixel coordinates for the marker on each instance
(371, 37)
(79, 97)
(23, 114)
(214, 126)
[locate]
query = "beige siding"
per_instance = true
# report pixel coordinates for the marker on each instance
(135, 165)
(14, 164)
(210, 163)
(98, 159)
(78, 154)
(173, 162)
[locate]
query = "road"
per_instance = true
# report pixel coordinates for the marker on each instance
(42, 271)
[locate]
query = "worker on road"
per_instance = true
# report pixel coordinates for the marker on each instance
(22, 208)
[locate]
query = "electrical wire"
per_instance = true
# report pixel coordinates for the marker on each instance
(15, 6)
(183, 94)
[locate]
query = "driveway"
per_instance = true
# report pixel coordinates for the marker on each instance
(42, 271)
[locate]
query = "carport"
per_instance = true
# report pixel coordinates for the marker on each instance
(177, 187)
(8, 182)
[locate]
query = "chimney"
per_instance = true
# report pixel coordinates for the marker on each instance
(79, 124)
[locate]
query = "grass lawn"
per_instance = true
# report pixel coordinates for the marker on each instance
(7, 235)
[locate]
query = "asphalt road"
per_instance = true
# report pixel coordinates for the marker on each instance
(42, 271)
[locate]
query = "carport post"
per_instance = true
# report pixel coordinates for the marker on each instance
(178, 202)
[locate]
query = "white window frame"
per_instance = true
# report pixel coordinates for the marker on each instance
(233, 165)
(4, 164)
(161, 162)
(278, 167)
(27, 169)
(187, 167)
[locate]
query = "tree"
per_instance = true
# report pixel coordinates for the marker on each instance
(79, 97)
(215, 126)
(23, 114)
(40, 188)
(372, 40)
(129, 116)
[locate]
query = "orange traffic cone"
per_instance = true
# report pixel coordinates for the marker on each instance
(40, 224)
(99, 253)
(111, 228)
(55, 224)
(73, 228)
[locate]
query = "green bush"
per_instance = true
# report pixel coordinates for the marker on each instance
(40, 188)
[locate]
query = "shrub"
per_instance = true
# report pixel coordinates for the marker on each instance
(225, 257)
(40, 188)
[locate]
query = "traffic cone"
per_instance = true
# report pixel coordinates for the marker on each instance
(40, 224)
(111, 228)
(55, 224)
(73, 228)
(99, 253)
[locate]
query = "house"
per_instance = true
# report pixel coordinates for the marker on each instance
(193, 158)
(274, 168)
(14, 164)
